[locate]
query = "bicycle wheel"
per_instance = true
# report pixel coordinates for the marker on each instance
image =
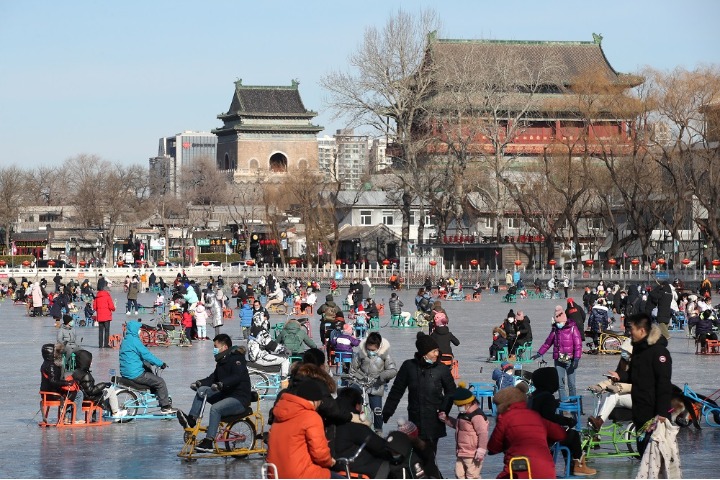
(630, 437)
(281, 309)
(239, 435)
(611, 344)
(128, 400)
(162, 338)
(144, 337)
(260, 382)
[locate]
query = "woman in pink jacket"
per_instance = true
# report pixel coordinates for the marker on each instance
(567, 350)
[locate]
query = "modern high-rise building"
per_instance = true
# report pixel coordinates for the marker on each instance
(352, 158)
(176, 152)
(327, 152)
(378, 159)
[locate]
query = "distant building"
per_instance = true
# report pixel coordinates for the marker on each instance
(352, 158)
(327, 151)
(378, 160)
(266, 133)
(176, 152)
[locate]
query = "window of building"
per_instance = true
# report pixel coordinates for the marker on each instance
(513, 222)
(429, 221)
(388, 217)
(49, 217)
(254, 164)
(488, 222)
(411, 218)
(595, 223)
(365, 217)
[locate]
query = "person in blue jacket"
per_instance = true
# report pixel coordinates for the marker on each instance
(246, 317)
(133, 358)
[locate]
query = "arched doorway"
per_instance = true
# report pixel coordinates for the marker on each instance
(302, 164)
(278, 163)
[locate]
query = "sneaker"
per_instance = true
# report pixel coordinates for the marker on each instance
(127, 313)
(119, 415)
(206, 445)
(168, 410)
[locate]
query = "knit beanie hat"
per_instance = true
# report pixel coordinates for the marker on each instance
(425, 343)
(462, 395)
(311, 389)
(347, 329)
(511, 314)
(407, 427)
(504, 366)
(329, 298)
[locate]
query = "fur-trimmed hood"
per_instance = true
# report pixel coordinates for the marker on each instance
(507, 396)
(382, 350)
(655, 335)
(500, 332)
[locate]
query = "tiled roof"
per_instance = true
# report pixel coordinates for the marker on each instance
(572, 58)
(267, 100)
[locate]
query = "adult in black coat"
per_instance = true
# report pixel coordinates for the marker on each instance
(430, 388)
(51, 370)
(661, 297)
(511, 327)
(60, 302)
(577, 315)
(444, 338)
(524, 329)
(345, 439)
(650, 374)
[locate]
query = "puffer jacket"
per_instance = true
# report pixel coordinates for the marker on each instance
(133, 290)
(543, 401)
(430, 389)
(524, 331)
(103, 306)
(445, 339)
(293, 336)
(598, 319)
(37, 295)
(661, 297)
(190, 296)
(262, 347)
(703, 323)
(471, 431)
(298, 446)
(577, 315)
(563, 340)
(246, 316)
(60, 302)
(380, 367)
(66, 337)
(91, 390)
(215, 310)
(650, 374)
(232, 374)
(133, 353)
(395, 306)
(51, 370)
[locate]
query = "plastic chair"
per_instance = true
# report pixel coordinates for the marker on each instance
(360, 330)
(342, 358)
(524, 352)
(573, 404)
(484, 390)
(374, 324)
(556, 449)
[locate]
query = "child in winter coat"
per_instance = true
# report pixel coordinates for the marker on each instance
(187, 323)
(504, 375)
(499, 342)
(246, 317)
(471, 433)
(344, 341)
(89, 312)
(201, 316)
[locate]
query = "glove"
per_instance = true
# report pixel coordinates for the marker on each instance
(479, 455)
(575, 363)
(216, 387)
(535, 357)
(163, 366)
(595, 388)
(614, 388)
(194, 386)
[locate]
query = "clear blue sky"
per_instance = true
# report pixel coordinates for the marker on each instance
(111, 78)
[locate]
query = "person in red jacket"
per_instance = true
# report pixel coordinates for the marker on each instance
(298, 446)
(521, 432)
(104, 308)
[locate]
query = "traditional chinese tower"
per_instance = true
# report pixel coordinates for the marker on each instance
(267, 133)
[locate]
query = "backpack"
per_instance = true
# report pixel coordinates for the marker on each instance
(329, 313)
(424, 304)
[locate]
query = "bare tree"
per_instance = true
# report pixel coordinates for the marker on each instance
(11, 198)
(203, 184)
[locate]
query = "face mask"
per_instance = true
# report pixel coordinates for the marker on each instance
(625, 355)
(559, 325)
(372, 353)
(511, 320)
(216, 351)
(428, 361)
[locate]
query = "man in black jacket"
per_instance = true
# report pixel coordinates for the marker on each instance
(430, 388)
(661, 297)
(227, 390)
(650, 374)
(577, 315)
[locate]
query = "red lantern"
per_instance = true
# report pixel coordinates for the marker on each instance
(474, 263)
(205, 264)
(161, 263)
(518, 263)
(552, 262)
(635, 261)
(686, 261)
(2, 263)
(51, 263)
(83, 263)
(661, 261)
(26, 263)
(120, 263)
(338, 262)
(432, 263)
(273, 241)
(716, 263)
(612, 262)
(386, 262)
(249, 263)
(293, 262)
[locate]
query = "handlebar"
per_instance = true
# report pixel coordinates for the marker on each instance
(348, 460)
(363, 382)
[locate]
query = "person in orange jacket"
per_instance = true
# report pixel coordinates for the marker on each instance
(298, 446)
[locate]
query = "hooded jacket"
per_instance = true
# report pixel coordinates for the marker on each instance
(471, 431)
(520, 431)
(293, 336)
(103, 306)
(650, 374)
(430, 389)
(444, 338)
(60, 301)
(543, 401)
(703, 323)
(661, 297)
(297, 445)
(230, 371)
(92, 391)
(66, 337)
(133, 353)
(133, 290)
(563, 340)
(577, 315)
(524, 330)
(51, 369)
(246, 315)
(380, 367)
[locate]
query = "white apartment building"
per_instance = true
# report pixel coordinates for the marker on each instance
(176, 152)
(327, 150)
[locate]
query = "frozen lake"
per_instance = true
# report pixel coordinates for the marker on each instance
(148, 448)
